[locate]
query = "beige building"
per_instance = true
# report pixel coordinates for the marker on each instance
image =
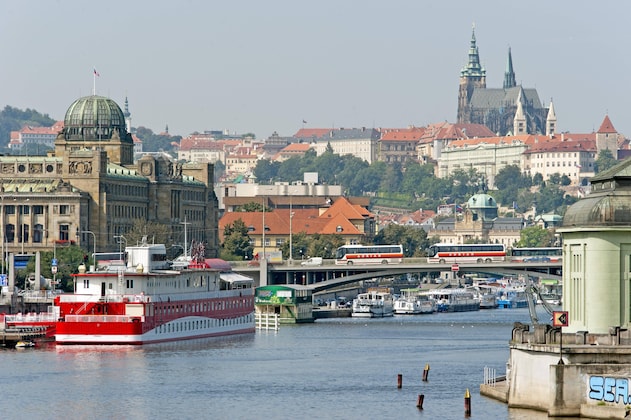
(359, 142)
(90, 190)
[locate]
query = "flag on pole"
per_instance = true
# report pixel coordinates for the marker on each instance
(96, 73)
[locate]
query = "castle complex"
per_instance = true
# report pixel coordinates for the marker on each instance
(497, 108)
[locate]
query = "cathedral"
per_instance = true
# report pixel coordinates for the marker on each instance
(497, 108)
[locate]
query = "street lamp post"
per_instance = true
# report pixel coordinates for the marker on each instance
(121, 238)
(94, 242)
(291, 218)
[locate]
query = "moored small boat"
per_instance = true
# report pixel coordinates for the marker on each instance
(23, 344)
(373, 304)
(454, 300)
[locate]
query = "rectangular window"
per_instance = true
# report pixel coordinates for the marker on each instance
(38, 209)
(63, 209)
(64, 232)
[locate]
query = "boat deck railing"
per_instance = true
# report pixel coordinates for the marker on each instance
(30, 317)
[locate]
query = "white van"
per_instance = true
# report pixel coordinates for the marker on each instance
(312, 261)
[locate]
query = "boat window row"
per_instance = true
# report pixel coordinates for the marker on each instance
(203, 307)
(199, 324)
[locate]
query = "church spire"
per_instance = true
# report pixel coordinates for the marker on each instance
(551, 121)
(519, 122)
(127, 116)
(509, 75)
(473, 67)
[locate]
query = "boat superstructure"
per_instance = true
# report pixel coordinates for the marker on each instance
(412, 302)
(454, 300)
(373, 304)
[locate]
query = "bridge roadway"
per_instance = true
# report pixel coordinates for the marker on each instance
(328, 275)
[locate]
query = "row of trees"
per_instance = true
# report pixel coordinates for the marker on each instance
(237, 244)
(419, 183)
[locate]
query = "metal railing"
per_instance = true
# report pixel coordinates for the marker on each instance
(267, 321)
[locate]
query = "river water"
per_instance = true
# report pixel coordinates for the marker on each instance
(343, 368)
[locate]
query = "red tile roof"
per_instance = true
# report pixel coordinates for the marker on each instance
(606, 126)
(339, 216)
(309, 133)
(296, 147)
(402, 134)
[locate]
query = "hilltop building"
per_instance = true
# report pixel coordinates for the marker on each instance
(359, 142)
(511, 109)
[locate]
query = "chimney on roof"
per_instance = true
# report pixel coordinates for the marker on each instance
(562, 136)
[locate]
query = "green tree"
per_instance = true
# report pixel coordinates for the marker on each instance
(535, 236)
(13, 119)
(266, 171)
(154, 232)
(604, 161)
(414, 177)
(157, 142)
(251, 206)
(237, 243)
(328, 165)
(413, 239)
(291, 170)
(68, 260)
(300, 246)
(392, 178)
(555, 179)
(537, 179)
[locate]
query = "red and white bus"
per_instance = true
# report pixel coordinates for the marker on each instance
(369, 254)
(466, 253)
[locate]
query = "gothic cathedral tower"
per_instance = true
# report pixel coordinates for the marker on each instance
(472, 76)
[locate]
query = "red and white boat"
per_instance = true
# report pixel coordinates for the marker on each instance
(150, 300)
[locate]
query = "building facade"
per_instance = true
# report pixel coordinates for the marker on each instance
(90, 190)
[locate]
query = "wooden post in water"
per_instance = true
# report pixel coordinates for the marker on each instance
(425, 372)
(399, 380)
(467, 403)
(419, 401)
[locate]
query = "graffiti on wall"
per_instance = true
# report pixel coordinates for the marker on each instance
(608, 389)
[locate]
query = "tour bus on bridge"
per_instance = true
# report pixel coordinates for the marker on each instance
(466, 253)
(369, 254)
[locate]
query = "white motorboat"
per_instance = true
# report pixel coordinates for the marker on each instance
(373, 304)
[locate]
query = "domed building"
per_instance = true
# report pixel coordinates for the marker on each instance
(96, 122)
(90, 190)
(479, 223)
(482, 206)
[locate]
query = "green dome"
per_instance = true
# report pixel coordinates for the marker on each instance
(94, 118)
(481, 201)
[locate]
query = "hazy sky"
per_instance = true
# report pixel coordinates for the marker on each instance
(265, 66)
